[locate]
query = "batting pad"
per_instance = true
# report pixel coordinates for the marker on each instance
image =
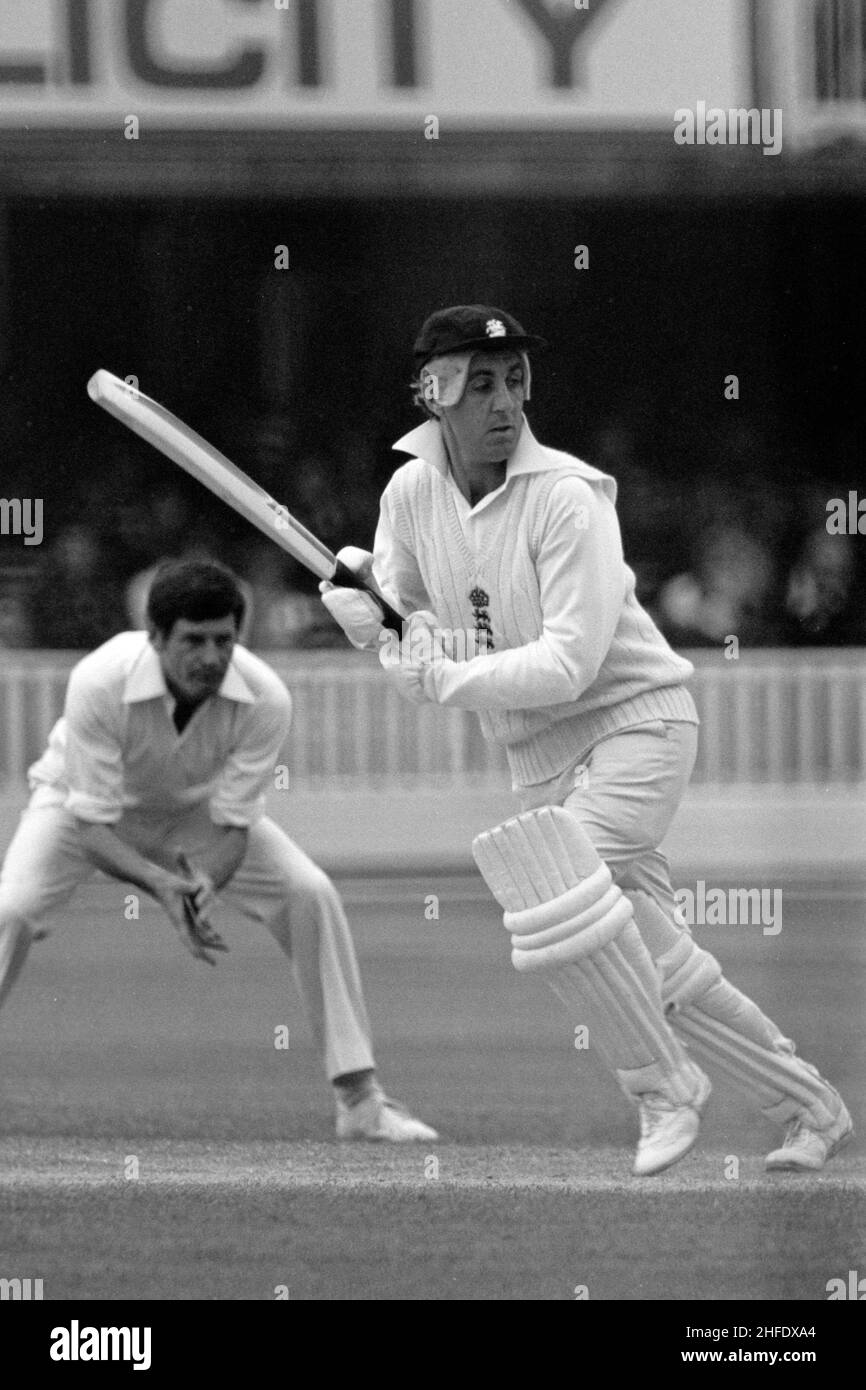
(567, 918)
(728, 1029)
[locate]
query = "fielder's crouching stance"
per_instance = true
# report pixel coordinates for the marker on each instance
(517, 546)
(156, 775)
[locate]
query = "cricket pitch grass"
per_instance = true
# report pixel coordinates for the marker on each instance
(158, 1139)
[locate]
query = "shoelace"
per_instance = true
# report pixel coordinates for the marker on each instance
(794, 1130)
(652, 1114)
(396, 1107)
(382, 1099)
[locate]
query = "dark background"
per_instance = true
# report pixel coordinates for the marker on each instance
(302, 377)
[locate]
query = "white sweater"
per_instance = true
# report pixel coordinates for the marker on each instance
(575, 655)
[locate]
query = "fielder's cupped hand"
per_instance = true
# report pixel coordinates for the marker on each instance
(358, 614)
(187, 899)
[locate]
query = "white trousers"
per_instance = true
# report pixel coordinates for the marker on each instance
(625, 791)
(277, 885)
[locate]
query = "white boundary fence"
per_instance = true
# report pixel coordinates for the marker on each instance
(773, 717)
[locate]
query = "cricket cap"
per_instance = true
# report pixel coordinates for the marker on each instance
(471, 328)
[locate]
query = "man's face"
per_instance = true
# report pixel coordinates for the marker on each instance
(195, 656)
(485, 424)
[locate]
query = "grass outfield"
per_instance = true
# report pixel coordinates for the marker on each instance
(117, 1047)
(243, 1221)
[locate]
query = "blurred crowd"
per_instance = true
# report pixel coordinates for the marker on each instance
(729, 542)
(740, 548)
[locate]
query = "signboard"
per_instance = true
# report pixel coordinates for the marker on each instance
(814, 59)
(379, 63)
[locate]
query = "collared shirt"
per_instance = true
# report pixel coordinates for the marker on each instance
(480, 522)
(538, 565)
(117, 749)
(427, 442)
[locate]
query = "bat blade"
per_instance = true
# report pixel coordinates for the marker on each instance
(153, 423)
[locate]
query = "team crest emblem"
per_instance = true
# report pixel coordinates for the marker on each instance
(494, 328)
(480, 601)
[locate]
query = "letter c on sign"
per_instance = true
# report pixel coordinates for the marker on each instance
(244, 70)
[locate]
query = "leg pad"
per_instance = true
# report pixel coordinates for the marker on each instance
(568, 918)
(559, 898)
(729, 1030)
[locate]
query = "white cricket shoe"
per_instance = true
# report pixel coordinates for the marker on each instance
(667, 1131)
(380, 1119)
(806, 1148)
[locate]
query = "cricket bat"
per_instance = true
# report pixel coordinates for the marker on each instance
(152, 422)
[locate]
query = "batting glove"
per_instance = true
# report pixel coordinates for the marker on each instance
(409, 663)
(358, 614)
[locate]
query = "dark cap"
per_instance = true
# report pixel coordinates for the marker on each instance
(467, 326)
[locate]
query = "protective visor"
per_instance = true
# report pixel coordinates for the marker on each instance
(443, 379)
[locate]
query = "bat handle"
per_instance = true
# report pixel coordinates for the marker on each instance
(347, 579)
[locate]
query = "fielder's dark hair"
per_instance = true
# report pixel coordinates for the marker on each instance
(198, 590)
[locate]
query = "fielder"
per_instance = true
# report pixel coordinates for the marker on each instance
(156, 775)
(507, 555)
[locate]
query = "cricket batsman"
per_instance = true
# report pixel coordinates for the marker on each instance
(156, 775)
(507, 556)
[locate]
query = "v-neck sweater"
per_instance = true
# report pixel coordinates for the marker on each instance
(574, 655)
